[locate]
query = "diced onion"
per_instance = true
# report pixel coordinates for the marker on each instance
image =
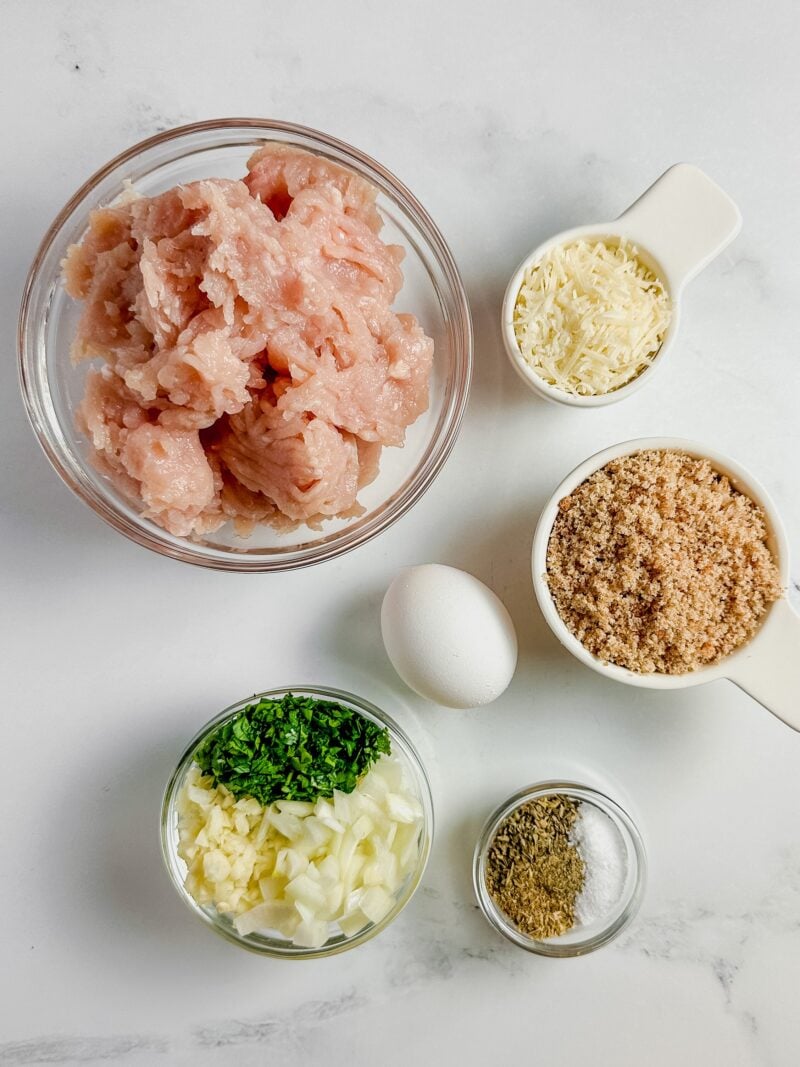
(305, 871)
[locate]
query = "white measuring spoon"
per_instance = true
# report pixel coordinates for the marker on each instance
(678, 226)
(767, 666)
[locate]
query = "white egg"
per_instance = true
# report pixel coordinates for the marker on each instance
(449, 637)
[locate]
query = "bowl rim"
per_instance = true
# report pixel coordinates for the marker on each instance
(613, 231)
(292, 952)
(555, 949)
(47, 428)
(742, 480)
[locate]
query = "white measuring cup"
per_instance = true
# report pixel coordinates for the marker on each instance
(767, 666)
(678, 226)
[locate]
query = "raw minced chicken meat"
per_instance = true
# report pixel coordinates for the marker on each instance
(253, 367)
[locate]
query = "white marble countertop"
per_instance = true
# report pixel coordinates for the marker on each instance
(510, 121)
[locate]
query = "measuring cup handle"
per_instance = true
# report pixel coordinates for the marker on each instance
(769, 668)
(684, 220)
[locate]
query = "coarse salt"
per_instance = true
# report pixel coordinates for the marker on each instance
(603, 851)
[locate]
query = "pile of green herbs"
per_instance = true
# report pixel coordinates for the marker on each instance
(295, 748)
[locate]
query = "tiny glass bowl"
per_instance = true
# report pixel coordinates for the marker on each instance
(580, 939)
(274, 944)
(52, 387)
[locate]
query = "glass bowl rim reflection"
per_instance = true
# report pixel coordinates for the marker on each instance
(556, 947)
(429, 245)
(278, 948)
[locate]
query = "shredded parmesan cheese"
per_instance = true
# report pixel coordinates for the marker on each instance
(590, 316)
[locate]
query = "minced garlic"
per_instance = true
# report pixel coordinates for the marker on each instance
(298, 867)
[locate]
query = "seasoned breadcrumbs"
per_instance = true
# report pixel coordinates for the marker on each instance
(658, 564)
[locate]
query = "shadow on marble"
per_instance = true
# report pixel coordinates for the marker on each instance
(354, 638)
(496, 548)
(118, 876)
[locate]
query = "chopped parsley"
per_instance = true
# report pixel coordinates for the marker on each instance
(295, 748)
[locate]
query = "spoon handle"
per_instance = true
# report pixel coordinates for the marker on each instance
(683, 220)
(769, 667)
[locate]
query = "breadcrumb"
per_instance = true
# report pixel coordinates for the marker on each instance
(658, 564)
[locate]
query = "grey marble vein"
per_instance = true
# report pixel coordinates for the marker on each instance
(278, 1028)
(719, 940)
(54, 1049)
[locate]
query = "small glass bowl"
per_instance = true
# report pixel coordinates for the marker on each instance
(52, 387)
(581, 939)
(277, 946)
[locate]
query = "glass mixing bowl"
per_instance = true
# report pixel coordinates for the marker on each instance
(53, 388)
(580, 939)
(276, 945)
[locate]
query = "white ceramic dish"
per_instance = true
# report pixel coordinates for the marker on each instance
(678, 225)
(767, 667)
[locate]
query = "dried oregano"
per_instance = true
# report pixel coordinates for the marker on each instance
(533, 872)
